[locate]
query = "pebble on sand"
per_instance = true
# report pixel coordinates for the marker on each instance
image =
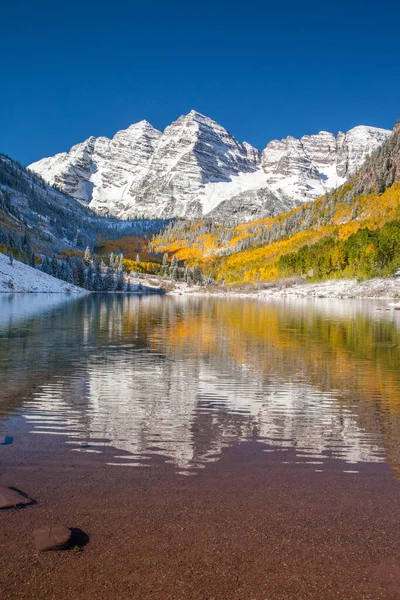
(52, 537)
(7, 440)
(10, 498)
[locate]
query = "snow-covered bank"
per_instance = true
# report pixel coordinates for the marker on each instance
(388, 287)
(18, 277)
(382, 287)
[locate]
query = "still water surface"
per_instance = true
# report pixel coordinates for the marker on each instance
(185, 377)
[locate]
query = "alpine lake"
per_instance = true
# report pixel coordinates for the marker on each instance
(211, 447)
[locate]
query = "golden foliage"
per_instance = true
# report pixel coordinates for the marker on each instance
(129, 246)
(260, 263)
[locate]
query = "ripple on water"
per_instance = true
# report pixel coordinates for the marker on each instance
(186, 378)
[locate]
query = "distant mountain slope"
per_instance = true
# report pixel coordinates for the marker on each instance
(195, 167)
(53, 220)
(351, 231)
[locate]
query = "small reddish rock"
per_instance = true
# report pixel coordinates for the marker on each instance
(10, 498)
(52, 537)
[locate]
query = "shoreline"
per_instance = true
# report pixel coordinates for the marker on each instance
(378, 288)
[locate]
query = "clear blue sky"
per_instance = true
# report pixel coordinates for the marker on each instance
(262, 69)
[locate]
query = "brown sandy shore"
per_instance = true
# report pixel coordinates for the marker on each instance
(247, 527)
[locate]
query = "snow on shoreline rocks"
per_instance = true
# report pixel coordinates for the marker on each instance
(18, 277)
(378, 288)
(342, 288)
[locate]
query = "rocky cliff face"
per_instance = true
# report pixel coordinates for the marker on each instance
(99, 171)
(193, 152)
(196, 167)
(302, 170)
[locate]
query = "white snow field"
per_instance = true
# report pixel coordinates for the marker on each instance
(19, 277)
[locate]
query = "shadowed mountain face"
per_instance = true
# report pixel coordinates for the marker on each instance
(184, 378)
(196, 167)
(34, 216)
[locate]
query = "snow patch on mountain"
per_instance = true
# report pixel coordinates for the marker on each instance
(215, 192)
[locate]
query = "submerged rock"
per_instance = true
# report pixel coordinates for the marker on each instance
(52, 537)
(7, 441)
(11, 498)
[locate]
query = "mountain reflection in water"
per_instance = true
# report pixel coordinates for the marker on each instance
(185, 377)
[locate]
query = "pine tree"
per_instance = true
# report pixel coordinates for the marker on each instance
(54, 267)
(188, 275)
(70, 276)
(108, 281)
(165, 263)
(63, 271)
(88, 255)
(79, 274)
(197, 278)
(89, 278)
(119, 285)
(120, 263)
(96, 283)
(45, 265)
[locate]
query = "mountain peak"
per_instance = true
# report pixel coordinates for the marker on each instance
(366, 128)
(194, 114)
(144, 124)
(196, 165)
(196, 117)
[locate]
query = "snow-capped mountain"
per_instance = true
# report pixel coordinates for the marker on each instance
(305, 169)
(99, 171)
(191, 153)
(195, 167)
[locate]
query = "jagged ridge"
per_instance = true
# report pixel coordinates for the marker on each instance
(196, 167)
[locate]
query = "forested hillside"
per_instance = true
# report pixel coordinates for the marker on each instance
(351, 231)
(45, 228)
